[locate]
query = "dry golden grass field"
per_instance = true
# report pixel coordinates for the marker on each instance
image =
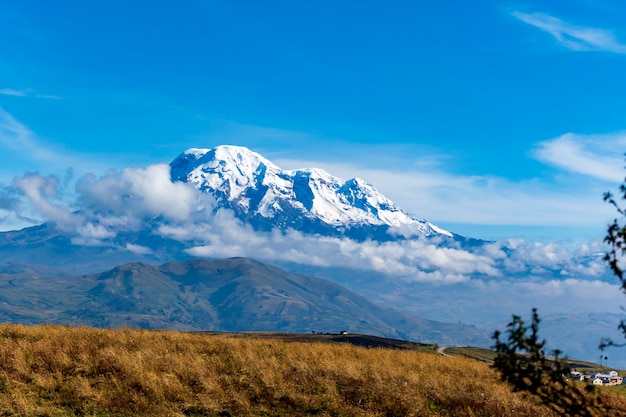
(65, 371)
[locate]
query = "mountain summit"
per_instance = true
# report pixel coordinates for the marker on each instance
(309, 200)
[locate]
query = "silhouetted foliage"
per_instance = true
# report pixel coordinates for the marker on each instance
(616, 239)
(522, 363)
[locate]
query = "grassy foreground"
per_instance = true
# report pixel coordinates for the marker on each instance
(63, 371)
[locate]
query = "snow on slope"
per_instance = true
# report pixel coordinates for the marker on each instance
(253, 186)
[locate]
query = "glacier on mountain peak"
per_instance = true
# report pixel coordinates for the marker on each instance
(309, 200)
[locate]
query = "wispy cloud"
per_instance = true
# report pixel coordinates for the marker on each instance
(24, 150)
(574, 37)
(19, 138)
(27, 92)
(43, 193)
(591, 155)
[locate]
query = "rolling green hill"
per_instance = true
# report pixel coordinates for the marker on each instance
(235, 294)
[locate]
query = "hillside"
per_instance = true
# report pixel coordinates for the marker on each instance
(51, 370)
(236, 294)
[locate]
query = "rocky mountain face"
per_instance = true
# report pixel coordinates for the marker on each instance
(308, 200)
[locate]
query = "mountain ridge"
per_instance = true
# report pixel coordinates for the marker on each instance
(309, 200)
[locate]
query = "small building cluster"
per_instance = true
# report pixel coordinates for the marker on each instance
(597, 378)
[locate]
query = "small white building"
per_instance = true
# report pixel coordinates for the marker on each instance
(577, 376)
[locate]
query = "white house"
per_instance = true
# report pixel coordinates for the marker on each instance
(578, 376)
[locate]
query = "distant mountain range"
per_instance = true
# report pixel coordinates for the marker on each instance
(235, 294)
(308, 200)
(234, 202)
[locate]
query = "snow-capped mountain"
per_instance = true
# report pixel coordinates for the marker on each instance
(309, 200)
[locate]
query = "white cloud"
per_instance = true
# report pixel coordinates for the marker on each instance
(138, 249)
(120, 201)
(138, 192)
(538, 258)
(597, 156)
(43, 194)
(418, 261)
(28, 92)
(576, 38)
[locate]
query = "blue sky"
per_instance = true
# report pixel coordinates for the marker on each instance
(490, 118)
